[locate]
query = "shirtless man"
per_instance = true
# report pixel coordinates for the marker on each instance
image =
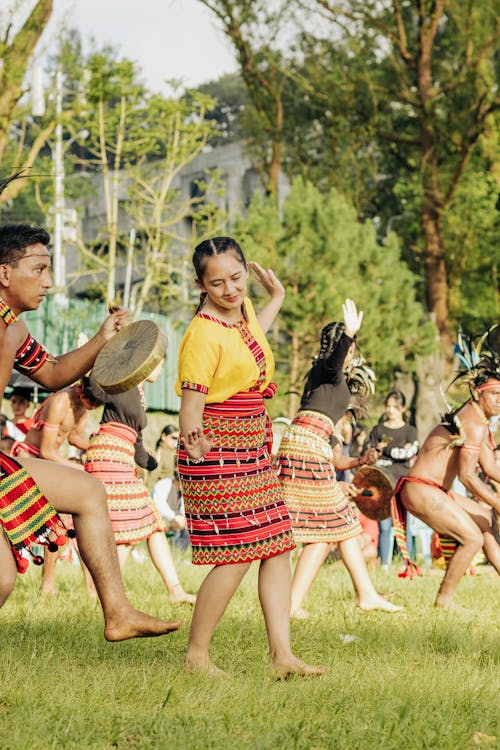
(24, 282)
(426, 490)
(61, 417)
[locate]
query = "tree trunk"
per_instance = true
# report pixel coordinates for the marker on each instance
(429, 401)
(436, 275)
(15, 58)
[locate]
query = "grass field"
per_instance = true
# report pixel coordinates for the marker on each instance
(429, 679)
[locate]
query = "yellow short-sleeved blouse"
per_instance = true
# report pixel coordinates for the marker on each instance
(214, 358)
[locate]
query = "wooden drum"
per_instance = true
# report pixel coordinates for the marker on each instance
(130, 356)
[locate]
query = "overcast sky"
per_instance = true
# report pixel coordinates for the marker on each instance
(168, 38)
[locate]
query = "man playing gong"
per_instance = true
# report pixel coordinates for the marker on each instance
(453, 449)
(32, 491)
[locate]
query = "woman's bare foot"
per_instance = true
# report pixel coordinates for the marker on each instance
(202, 664)
(49, 590)
(299, 614)
(449, 604)
(137, 625)
(381, 604)
(179, 596)
(281, 669)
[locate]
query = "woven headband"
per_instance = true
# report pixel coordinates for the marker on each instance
(488, 384)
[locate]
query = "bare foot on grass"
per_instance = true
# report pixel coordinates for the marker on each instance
(138, 625)
(380, 604)
(203, 665)
(281, 669)
(179, 596)
(49, 591)
(450, 605)
(300, 614)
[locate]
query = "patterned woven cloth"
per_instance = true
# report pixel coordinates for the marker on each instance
(110, 458)
(26, 516)
(233, 501)
(319, 510)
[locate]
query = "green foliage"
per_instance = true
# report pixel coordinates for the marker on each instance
(472, 228)
(322, 253)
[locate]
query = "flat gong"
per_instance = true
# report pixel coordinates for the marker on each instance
(376, 490)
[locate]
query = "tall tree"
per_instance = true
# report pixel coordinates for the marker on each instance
(323, 254)
(15, 55)
(432, 96)
(249, 24)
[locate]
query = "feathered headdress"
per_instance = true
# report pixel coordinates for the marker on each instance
(480, 369)
(359, 377)
(480, 361)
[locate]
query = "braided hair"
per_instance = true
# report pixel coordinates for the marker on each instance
(329, 338)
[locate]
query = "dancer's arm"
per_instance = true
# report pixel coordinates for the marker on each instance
(276, 291)
(473, 452)
(195, 441)
(58, 372)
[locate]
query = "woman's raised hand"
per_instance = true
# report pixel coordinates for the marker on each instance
(352, 318)
(268, 279)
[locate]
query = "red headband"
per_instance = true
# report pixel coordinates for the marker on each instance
(488, 384)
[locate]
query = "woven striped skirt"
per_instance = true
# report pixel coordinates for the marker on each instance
(319, 510)
(110, 458)
(233, 501)
(26, 516)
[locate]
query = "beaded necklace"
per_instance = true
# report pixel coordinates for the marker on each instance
(6, 313)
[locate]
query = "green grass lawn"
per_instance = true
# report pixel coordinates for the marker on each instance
(426, 680)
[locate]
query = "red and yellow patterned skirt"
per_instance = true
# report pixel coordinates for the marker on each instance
(110, 458)
(319, 510)
(233, 501)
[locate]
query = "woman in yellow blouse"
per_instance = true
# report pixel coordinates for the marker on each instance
(234, 506)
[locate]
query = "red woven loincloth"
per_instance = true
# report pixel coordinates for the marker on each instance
(398, 513)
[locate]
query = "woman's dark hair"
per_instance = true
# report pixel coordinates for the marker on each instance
(329, 337)
(89, 391)
(209, 249)
(400, 399)
(397, 395)
(169, 429)
(15, 238)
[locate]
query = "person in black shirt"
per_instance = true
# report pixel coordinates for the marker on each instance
(320, 507)
(396, 442)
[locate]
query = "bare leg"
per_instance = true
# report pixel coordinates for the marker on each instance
(88, 581)
(368, 598)
(274, 595)
(447, 517)
(308, 565)
(213, 597)
(481, 515)
(49, 572)
(123, 551)
(87, 503)
(163, 561)
(8, 570)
